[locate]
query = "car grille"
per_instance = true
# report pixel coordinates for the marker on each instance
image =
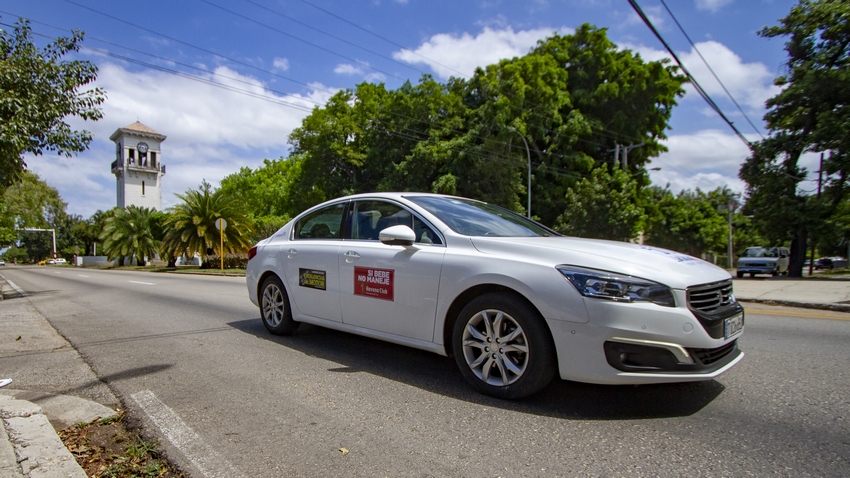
(710, 356)
(710, 297)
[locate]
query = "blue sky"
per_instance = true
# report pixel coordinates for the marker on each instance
(284, 57)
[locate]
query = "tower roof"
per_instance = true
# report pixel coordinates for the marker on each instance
(138, 129)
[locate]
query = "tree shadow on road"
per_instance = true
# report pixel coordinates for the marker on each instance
(439, 374)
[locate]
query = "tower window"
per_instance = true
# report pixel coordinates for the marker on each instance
(143, 188)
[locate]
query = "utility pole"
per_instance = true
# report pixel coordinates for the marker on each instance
(528, 155)
(626, 150)
(820, 180)
(616, 156)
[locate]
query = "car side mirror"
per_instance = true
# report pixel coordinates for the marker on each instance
(397, 236)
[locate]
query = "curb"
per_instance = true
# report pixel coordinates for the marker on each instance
(801, 305)
(30, 446)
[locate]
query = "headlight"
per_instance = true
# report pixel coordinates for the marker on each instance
(617, 287)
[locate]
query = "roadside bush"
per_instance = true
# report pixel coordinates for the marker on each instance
(231, 261)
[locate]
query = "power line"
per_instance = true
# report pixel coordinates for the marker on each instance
(693, 80)
(550, 155)
(391, 42)
(710, 69)
(363, 63)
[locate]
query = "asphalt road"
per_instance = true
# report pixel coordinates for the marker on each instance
(189, 358)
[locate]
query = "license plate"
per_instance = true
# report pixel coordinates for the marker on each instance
(734, 325)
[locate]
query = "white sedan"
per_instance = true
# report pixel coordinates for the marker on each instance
(513, 301)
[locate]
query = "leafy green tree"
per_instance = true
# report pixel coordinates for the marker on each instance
(573, 98)
(265, 226)
(603, 206)
(16, 254)
(615, 97)
(31, 203)
(128, 233)
(38, 90)
(87, 233)
(268, 190)
(810, 114)
(190, 229)
(690, 222)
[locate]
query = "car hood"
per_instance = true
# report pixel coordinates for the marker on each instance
(671, 268)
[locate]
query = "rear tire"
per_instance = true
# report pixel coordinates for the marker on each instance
(503, 347)
(739, 274)
(274, 308)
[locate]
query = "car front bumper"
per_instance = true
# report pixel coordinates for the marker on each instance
(642, 343)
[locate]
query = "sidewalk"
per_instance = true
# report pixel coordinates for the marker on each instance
(41, 362)
(832, 293)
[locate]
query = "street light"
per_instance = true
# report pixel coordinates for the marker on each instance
(528, 154)
(731, 204)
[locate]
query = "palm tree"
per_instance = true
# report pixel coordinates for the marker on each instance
(128, 234)
(190, 229)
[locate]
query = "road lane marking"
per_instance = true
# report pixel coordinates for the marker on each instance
(81, 275)
(184, 438)
(139, 282)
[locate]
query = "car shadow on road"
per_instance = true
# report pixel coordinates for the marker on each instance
(439, 374)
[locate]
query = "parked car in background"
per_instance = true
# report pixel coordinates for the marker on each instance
(763, 260)
(2, 262)
(514, 302)
(829, 263)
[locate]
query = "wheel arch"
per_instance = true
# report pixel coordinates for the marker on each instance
(466, 296)
(262, 279)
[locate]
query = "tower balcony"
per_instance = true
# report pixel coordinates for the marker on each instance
(143, 165)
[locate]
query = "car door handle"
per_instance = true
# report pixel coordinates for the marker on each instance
(351, 256)
(291, 253)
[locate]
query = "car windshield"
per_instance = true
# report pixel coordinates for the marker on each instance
(475, 218)
(759, 252)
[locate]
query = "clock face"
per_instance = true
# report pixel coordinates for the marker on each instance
(142, 147)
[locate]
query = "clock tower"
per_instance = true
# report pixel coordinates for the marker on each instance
(138, 167)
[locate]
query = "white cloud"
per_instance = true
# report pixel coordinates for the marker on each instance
(211, 132)
(751, 84)
(450, 55)
(347, 69)
(712, 6)
(707, 160)
(710, 159)
(353, 70)
(281, 64)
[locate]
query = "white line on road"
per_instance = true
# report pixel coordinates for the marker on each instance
(81, 275)
(139, 282)
(183, 437)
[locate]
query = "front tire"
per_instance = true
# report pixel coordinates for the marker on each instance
(274, 308)
(503, 347)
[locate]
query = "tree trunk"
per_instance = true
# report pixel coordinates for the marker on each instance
(798, 254)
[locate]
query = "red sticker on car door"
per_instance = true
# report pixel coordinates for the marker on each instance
(371, 282)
